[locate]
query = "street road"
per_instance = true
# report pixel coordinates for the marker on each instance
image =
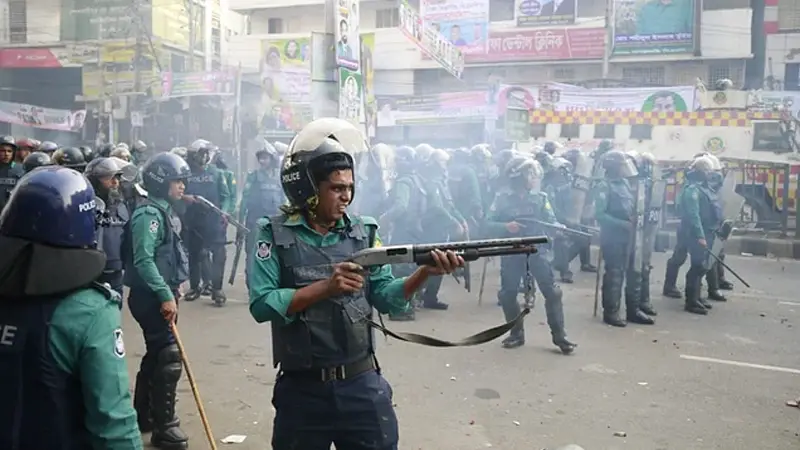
(689, 382)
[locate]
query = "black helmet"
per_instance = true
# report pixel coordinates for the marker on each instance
(105, 150)
(219, 161)
(549, 148)
(34, 160)
(404, 158)
(139, 146)
(618, 164)
(572, 155)
(545, 159)
(322, 146)
(162, 168)
(69, 157)
(8, 140)
(47, 147)
(109, 167)
(88, 153)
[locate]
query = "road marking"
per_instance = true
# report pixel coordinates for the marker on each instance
(789, 303)
(741, 364)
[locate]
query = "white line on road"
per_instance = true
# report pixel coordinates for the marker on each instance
(741, 364)
(789, 303)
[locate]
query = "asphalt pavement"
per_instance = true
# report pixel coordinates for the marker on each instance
(687, 383)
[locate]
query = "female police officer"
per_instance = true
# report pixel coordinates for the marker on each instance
(64, 381)
(329, 389)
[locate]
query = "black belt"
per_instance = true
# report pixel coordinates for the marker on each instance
(342, 372)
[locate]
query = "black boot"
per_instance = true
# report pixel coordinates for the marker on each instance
(725, 285)
(633, 290)
(612, 297)
(566, 277)
(588, 267)
(554, 309)
(712, 277)
(218, 297)
(141, 403)
(693, 304)
(167, 434)
(645, 305)
(192, 295)
(511, 310)
(670, 278)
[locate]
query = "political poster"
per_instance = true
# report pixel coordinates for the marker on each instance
(654, 26)
(347, 34)
(464, 23)
(285, 83)
(537, 13)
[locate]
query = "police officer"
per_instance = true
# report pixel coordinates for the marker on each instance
(87, 152)
(557, 184)
(64, 380)
(25, 147)
(105, 174)
(615, 213)
(524, 198)
(230, 180)
(69, 157)
(48, 147)
(329, 388)
(465, 187)
(34, 160)
(122, 153)
(10, 172)
(206, 230)
(262, 195)
(104, 150)
(140, 152)
(155, 267)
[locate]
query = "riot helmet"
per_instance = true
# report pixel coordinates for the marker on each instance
(123, 145)
(24, 148)
(8, 147)
(404, 159)
(502, 157)
(424, 151)
(48, 147)
(105, 150)
(219, 161)
(121, 153)
(160, 171)
(105, 175)
(617, 164)
(34, 160)
(572, 155)
(545, 159)
(562, 165)
(69, 157)
(550, 148)
(199, 152)
(524, 173)
(180, 151)
(322, 147)
(139, 147)
(700, 169)
(646, 163)
(88, 153)
(110, 167)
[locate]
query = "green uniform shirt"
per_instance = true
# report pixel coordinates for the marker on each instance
(400, 201)
(269, 301)
(469, 199)
(248, 185)
(504, 206)
(230, 182)
(86, 341)
(690, 211)
(601, 215)
(148, 231)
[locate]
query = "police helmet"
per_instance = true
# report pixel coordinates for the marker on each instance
(703, 164)
(550, 148)
(123, 145)
(267, 151)
(160, 170)
(573, 155)
(716, 164)
(439, 158)
(121, 153)
(88, 153)
(502, 157)
(180, 151)
(9, 141)
(27, 143)
(605, 146)
(646, 163)
(53, 206)
(48, 147)
(619, 164)
(424, 151)
(34, 160)
(139, 146)
(404, 158)
(562, 164)
(110, 167)
(105, 150)
(545, 159)
(69, 157)
(219, 161)
(200, 145)
(480, 153)
(322, 146)
(522, 165)
(280, 147)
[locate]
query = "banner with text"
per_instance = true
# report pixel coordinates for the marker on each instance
(175, 85)
(542, 45)
(285, 84)
(368, 80)
(430, 40)
(564, 97)
(654, 26)
(463, 22)
(351, 100)
(38, 117)
(427, 109)
(536, 13)
(347, 34)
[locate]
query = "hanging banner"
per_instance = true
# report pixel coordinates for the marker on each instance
(564, 97)
(654, 26)
(368, 78)
(347, 34)
(463, 22)
(38, 117)
(430, 40)
(351, 100)
(536, 13)
(175, 85)
(542, 45)
(456, 107)
(285, 84)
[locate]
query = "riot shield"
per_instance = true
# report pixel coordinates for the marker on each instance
(732, 202)
(640, 207)
(581, 186)
(655, 204)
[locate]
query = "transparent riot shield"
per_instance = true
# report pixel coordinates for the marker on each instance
(732, 203)
(581, 187)
(640, 208)
(654, 207)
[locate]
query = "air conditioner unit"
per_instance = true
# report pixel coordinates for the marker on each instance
(723, 99)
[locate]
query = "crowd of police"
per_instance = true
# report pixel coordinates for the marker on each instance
(74, 241)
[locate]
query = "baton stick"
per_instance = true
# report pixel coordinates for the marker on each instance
(211, 442)
(597, 280)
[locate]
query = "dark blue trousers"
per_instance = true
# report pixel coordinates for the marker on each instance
(146, 310)
(352, 414)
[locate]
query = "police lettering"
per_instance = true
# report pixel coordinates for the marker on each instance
(8, 181)
(7, 334)
(201, 179)
(88, 206)
(289, 177)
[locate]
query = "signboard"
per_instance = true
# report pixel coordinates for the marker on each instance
(654, 26)
(536, 13)
(175, 85)
(348, 48)
(430, 40)
(518, 125)
(464, 23)
(85, 20)
(542, 45)
(455, 107)
(38, 117)
(565, 97)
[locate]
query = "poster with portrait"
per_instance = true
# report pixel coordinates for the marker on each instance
(654, 26)
(347, 34)
(285, 84)
(351, 96)
(368, 78)
(463, 23)
(537, 13)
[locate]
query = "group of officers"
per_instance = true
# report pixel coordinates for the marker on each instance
(73, 241)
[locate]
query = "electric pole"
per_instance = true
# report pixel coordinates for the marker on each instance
(609, 47)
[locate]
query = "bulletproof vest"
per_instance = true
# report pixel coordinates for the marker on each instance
(9, 174)
(331, 332)
(621, 203)
(112, 236)
(42, 405)
(408, 227)
(204, 183)
(264, 197)
(170, 257)
(711, 214)
(561, 189)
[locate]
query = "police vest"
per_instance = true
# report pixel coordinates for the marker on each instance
(331, 332)
(9, 175)
(711, 215)
(264, 197)
(112, 236)
(42, 405)
(170, 257)
(206, 184)
(621, 203)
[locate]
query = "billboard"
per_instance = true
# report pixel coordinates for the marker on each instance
(654, 26)
(465, 23)
(537, 13)
(286, 83)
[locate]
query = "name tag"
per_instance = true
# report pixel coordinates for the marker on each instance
(8, 181)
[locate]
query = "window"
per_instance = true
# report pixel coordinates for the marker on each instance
(18, 21)
(645, 75)
(564, 74)
(642, 132)
(538, 130)
(604, 131)
(501, 10)
(275, 26)
(387, 18)
(791, 77)
(571, 130)
(710, 5)
(788, 15)
(720, 70)
(588, 8)
(768, 136)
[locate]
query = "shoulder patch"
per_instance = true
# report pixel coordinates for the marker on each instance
(378, 242)
(263, 250)
(119, 344)
(153, 227)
